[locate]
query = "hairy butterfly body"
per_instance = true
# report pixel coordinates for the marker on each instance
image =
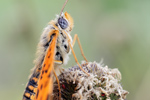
(53, 51)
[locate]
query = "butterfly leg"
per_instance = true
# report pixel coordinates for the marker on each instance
(76, 60)
(58, 62)
(74, 40)
(57, 83)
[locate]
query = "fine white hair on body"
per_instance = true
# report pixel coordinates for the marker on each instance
(45, 38)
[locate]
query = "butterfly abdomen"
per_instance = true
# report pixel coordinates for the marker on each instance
(31, 87)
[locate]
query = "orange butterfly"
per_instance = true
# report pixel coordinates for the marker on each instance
(53, 50)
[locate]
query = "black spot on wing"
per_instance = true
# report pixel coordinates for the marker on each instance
(65, 46)
(51, 37)
(49, 55)
(57, 53)
(41, 77)
(50, 49)
(47, 44)
(45, 71)
(41, 87)
(39, 68)
(63, 36)
(49, 75)
(44, 65)
(37, 93)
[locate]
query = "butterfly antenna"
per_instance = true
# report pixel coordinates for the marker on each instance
(63, 6)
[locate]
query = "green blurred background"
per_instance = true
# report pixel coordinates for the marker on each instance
(117, 31)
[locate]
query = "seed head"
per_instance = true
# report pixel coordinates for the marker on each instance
(102, 84)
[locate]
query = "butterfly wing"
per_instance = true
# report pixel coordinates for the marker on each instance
(45, 84)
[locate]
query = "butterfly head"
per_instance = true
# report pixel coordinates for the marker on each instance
(65, 22)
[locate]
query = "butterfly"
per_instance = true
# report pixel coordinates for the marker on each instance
(53, 50)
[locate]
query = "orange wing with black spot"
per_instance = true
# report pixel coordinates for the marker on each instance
(45, 84)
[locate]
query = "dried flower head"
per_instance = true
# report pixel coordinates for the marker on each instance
(102, 84)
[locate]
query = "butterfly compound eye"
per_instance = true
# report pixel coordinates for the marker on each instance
(63, 23)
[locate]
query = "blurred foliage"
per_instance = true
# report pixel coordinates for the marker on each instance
(114, 30)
